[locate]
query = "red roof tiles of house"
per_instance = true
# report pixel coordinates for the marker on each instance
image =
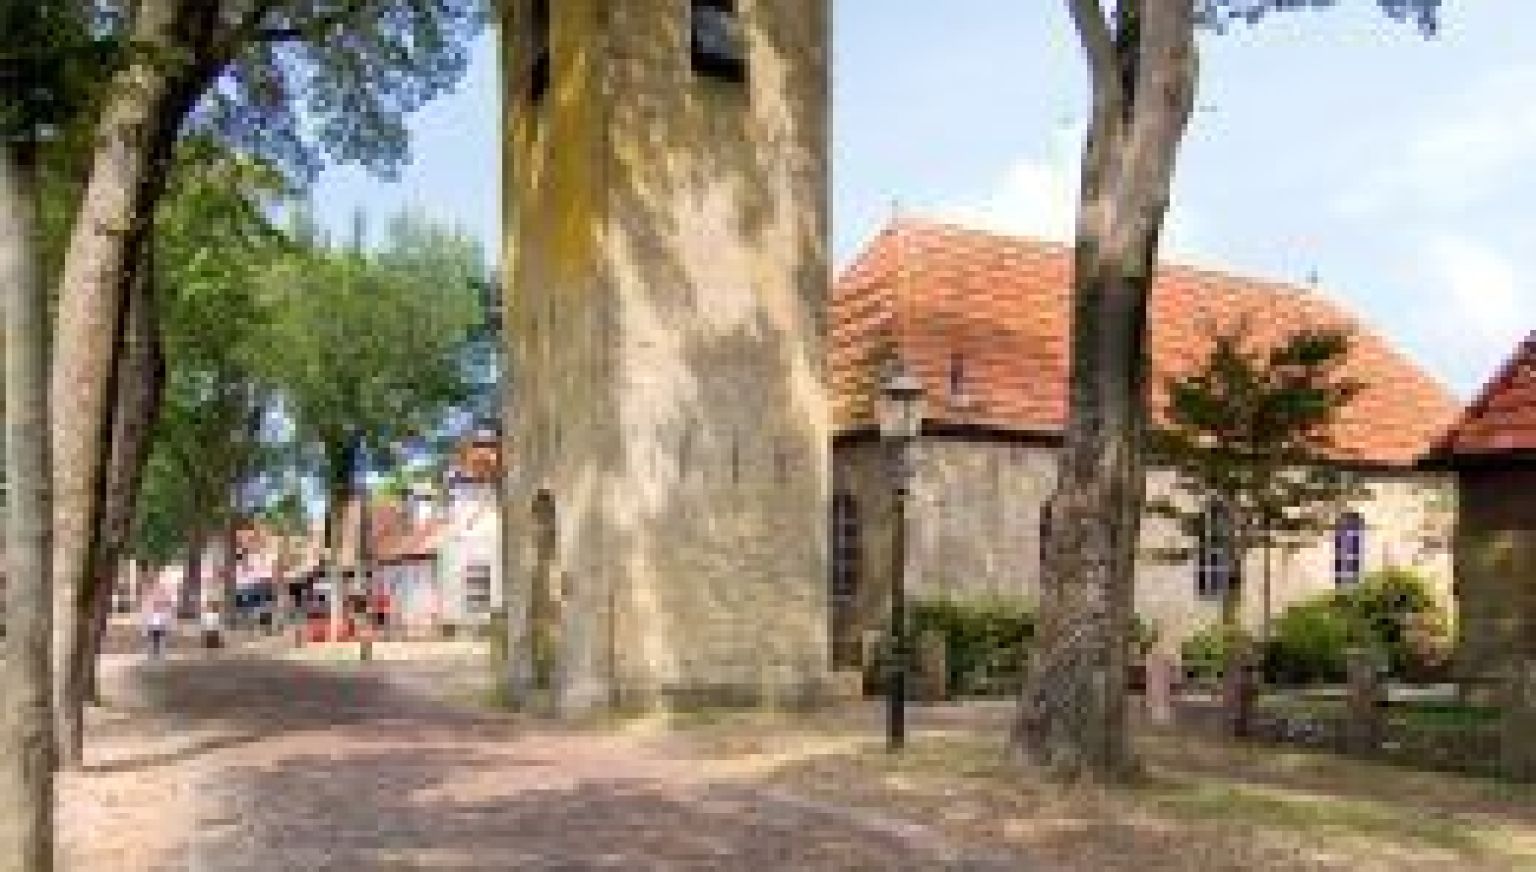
(983, 320)
(1503, 418)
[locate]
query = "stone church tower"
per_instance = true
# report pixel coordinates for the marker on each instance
(665, 197)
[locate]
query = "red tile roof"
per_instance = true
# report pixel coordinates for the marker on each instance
(996, 309)
(1503, 419)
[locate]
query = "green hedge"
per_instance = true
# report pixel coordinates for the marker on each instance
(1392, 612)
(986, 641)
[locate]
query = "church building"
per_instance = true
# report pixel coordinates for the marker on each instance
(983, 320)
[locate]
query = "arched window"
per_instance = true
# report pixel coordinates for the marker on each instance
(1213, 561)
(1348, 546)
(845, 548)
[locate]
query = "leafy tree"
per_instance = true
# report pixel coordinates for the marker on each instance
(283, 80)
(1143, 70)
(217, 234)
(1248, 436)
(373, 349)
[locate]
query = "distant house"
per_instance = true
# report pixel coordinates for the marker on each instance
(1493, 450)
(430, 559)
(983, 320)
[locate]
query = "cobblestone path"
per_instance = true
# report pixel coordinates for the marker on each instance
(248, 765)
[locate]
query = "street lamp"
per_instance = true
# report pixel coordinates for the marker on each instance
(901, 422)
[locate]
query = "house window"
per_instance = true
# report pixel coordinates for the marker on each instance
(538, 50)
(1348, 546)
(845, 548)
(477, 588)
(1045, 533)
(719, 46)
(1213, 560)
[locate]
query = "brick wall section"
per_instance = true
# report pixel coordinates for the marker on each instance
(976, 521)
(667, 280)
(1496, 568)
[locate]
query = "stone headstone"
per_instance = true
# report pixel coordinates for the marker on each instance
(932, 667)
(1365, 718)
(1160, 671)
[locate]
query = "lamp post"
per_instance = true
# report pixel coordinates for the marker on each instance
(901, 422)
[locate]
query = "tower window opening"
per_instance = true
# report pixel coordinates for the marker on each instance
(718, 42)
(538, 50)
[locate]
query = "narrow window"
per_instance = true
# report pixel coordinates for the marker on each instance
(477, 589)
(1213, 562)
(1348, 545)
(845, 548)
(538, 50)
(1045, 533)
(719, 47)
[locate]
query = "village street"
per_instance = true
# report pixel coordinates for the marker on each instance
(253, 764)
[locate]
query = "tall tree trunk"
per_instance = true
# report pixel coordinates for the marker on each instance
(140, 120)
(341, 460)
(27, 755)
(138, 386)
(192, 575)
(1072, 713)
(1237, 682)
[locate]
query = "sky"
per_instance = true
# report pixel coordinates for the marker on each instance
(1398, 171)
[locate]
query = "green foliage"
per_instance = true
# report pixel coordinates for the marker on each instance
(986, 640)
(212, 244)
(53, 61)
(1391, 612)
(372, 345)
(1310, 643)
(312, 78)
(1248, 432)
(1392, 607)
(1205, 654)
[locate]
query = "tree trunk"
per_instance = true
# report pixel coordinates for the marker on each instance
(138, 387)
(1072, 713)
(27, 756)
(341, 460)
(192, 577)
(1238, 688)
(142, 115)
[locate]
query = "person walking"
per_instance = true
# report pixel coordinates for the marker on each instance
(157, 627)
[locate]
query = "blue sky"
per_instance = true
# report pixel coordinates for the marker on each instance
(1402, 172)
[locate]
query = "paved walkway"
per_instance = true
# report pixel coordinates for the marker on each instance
(246, 765)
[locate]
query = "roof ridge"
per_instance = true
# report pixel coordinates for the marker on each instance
(944, 224)
(1501, 380)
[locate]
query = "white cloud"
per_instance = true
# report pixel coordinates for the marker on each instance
(1481, 306)
(1036, 196)
(1460, 155)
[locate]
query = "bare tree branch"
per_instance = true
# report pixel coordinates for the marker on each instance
(1098, 46)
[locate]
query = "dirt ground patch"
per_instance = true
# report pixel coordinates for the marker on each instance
(1203, 804)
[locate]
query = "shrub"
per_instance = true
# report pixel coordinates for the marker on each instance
(986, 641)
(1392, 612)
(1204, 654)
(1309, 643)
(1396, 609)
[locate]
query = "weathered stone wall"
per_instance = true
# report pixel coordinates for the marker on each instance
(666, 299)
(976, 531)
(1496, 569)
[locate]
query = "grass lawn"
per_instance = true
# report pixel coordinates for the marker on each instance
(1202, 805)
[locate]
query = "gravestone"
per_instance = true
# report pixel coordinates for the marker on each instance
(1161, 668)
(932, 667)
(1365, 718)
